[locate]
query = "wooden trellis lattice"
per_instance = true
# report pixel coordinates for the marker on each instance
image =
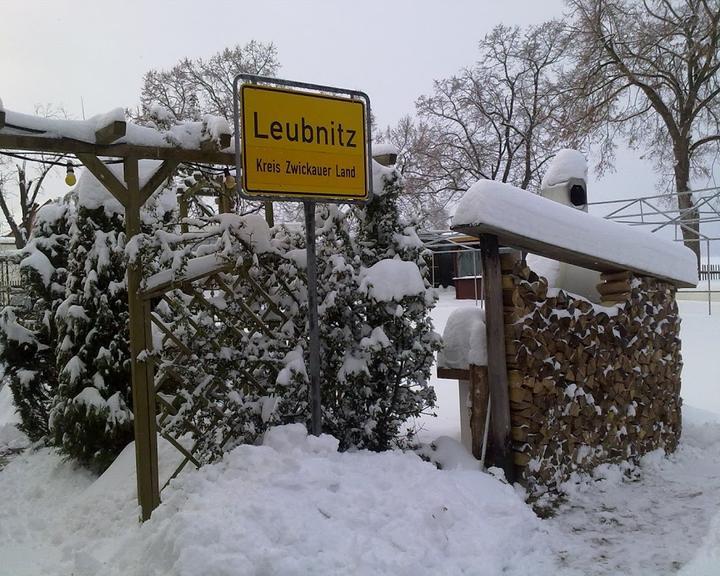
(255, 310)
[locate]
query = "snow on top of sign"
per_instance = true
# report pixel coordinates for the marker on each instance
(390, 279)
(566, 164)
(519, 212)
(464, 340)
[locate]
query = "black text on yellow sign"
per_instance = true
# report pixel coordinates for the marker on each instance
(303, 145)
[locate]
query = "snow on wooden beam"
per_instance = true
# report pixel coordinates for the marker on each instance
(111, 132)
(196, 269)
(535, 224)
(223, 141)
(110, 135)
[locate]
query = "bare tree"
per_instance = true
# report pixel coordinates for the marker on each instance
(495, 120)
(27, 195)
(192, 88)
(21, 184)
(648, 71)
(421, 202)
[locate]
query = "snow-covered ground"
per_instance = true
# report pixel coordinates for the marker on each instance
(296, 506)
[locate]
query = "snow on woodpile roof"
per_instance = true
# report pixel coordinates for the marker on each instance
(184, 135)
(525, 220)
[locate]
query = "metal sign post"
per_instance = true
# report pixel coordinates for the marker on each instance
(303, 142)
(313, 327)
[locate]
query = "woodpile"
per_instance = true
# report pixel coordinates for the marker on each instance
(589, 384)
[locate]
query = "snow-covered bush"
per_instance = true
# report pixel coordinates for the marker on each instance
(91, 418)
(398, 343)
(28, 335)
(236, 361)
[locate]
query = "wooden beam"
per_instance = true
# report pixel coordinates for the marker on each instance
(162, 173)
(105, 176)
(166, 287)
(2, 118)
(210, 144)
(42, 143)
(143, 388)
(453, 373)
(500, 444)
(113, 131)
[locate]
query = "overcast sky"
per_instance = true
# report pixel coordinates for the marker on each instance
(62, 51)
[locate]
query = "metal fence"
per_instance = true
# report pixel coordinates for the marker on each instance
(450, 243)
(662, 212)
(710, 271)
(11, 283)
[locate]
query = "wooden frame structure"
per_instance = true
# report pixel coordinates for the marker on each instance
(491, 237)
(132, 194)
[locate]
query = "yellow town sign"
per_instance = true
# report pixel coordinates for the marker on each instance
(301, 145)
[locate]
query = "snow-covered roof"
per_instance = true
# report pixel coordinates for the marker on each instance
(527, 221)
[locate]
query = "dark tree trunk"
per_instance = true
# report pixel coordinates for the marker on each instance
(689, 219)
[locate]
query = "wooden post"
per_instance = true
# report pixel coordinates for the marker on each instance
(183, 206)
(269, 213)
(500, 441)
(143, 389)
(465, 398)
(479, 393)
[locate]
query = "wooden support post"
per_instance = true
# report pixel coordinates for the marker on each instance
(143, 389)
(183, 207)
(269, 213)
(480, 393)
(500, 441)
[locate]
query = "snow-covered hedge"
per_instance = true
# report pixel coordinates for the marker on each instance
(236, 362)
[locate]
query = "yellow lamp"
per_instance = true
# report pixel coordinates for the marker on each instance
(70, 178)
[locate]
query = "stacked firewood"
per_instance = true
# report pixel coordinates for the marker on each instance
(588, 383)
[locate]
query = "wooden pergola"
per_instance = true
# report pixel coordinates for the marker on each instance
(111, 141)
